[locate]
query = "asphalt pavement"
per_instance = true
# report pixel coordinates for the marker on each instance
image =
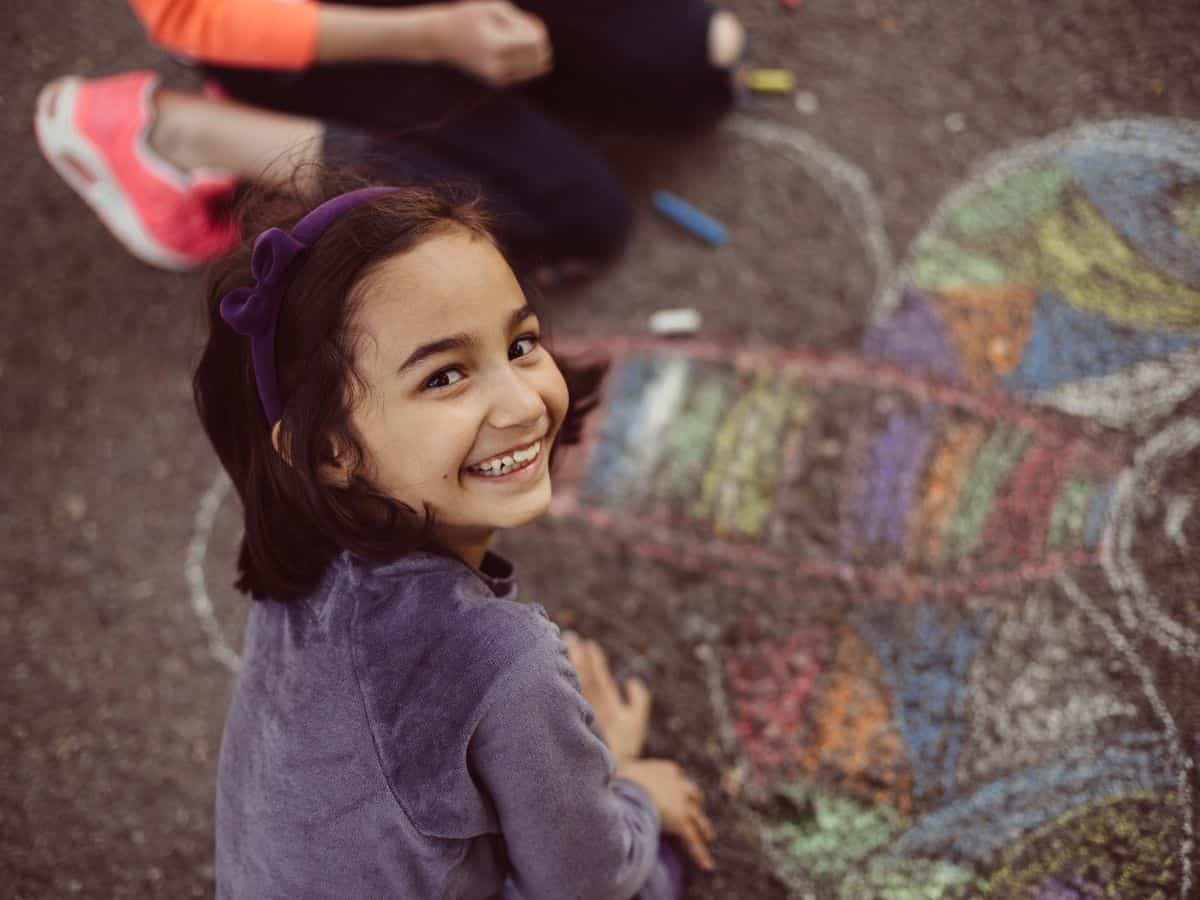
(114, 693)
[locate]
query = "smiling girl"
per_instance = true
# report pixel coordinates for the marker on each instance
(375, 384)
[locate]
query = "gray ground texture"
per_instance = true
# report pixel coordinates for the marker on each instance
(111, 704)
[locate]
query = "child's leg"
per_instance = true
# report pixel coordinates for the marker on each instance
(555, 198)
(196, 132)
(553, 201)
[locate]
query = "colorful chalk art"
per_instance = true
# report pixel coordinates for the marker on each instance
(970, 662)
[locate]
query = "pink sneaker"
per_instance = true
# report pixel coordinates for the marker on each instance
(94, 133)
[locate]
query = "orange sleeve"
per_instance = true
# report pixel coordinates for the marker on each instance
(262, 34)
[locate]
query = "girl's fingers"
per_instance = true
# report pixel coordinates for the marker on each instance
(579, 650)
(601, 673)
(599, 662)
(695, 802)
(705, 826)
(697, 847)
(585, 651)
(637, 695)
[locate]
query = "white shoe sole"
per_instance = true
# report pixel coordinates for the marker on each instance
(74, 158)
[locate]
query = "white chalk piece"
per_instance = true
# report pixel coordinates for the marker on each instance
(807, 102)
(675, 321)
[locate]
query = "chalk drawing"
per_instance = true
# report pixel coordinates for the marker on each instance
(1007, 433)
(1184, 764)
(193, 570)
(1174, 442)
(848, 183)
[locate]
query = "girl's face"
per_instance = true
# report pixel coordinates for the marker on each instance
(463, 402)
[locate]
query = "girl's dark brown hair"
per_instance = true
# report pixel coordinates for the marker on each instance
(296, 522)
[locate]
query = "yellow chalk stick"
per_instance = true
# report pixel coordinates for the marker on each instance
(775, 81)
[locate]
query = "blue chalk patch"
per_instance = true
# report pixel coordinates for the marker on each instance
(977, 825)
(925, 654)
(609, 462)
(1136, 200)
(1098, 514)
(1068, 344)
(687, 216)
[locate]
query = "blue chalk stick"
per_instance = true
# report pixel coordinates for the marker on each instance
(683, 213)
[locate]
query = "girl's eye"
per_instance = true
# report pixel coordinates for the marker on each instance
(522, 346)
(444, 378)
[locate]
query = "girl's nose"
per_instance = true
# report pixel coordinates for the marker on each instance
(515, 402)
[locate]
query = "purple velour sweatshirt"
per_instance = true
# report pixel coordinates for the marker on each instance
(410, 731)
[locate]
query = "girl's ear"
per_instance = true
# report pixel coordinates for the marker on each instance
(276, 431)
(335, 469)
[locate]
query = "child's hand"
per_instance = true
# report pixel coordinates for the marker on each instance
(679, 802)
(621, 720)
(494, 41)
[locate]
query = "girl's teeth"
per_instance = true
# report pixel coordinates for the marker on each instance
(507, 463)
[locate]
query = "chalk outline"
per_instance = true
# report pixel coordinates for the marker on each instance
(849, 184)
(1128, 135)
(1121, 135)
(1116, 555)
(1179, 508)
(193, 571)
(1077, 596)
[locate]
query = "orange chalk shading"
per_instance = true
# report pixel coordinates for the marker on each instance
(943, 484)
(989, 327)
(854, 740)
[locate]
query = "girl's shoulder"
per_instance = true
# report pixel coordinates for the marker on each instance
(429, 640)
(440, 603)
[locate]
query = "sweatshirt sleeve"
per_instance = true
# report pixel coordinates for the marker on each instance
(263, 34)
(571, 829)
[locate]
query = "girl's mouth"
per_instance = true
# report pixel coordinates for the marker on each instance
(508, 462)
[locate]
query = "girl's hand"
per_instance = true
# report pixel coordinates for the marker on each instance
(494, 41)
(679, 802)
(621, 720)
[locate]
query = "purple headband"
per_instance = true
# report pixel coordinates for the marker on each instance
(254, 311)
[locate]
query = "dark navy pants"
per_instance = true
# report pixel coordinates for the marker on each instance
(639, 64)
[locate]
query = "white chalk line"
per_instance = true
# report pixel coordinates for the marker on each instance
(1116, 548)
(849, 185)
(193, 570)
(1132, 398)
(1181, 759)
(1179, 508)
(1146, 137)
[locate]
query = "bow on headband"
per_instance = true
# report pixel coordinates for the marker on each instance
(254, 311)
